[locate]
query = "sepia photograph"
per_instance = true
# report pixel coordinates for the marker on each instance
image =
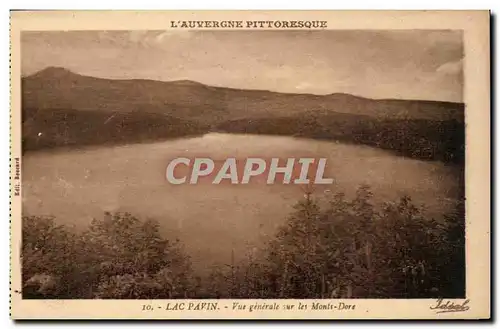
(196, 164)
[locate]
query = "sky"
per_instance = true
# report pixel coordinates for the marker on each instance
(407, 64)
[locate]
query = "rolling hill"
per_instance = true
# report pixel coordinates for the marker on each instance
(69, 109)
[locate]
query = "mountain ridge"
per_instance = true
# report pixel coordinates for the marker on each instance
(61, 108)
(61, 71)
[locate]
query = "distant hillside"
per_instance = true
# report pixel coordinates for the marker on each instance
(72, 128)
(421, 139)
(71, 109)
(60, 88)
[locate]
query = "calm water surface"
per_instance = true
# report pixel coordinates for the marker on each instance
(76, 186)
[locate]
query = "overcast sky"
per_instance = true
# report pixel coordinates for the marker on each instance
(377, 64)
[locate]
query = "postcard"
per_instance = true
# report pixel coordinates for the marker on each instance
(293, 165)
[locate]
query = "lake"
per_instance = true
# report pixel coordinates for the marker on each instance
(211, 220)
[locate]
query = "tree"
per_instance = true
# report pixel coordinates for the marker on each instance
(352, 249)
(118, 256)
(47, 254)
(130, 259)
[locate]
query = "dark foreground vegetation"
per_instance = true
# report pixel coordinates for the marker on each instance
(345, 248)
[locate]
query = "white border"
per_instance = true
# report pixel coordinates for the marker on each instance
(189, 4)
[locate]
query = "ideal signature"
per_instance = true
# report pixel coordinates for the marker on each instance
(448, 306)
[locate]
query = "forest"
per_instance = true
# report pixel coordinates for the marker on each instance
(335, 248)
(416, 138)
